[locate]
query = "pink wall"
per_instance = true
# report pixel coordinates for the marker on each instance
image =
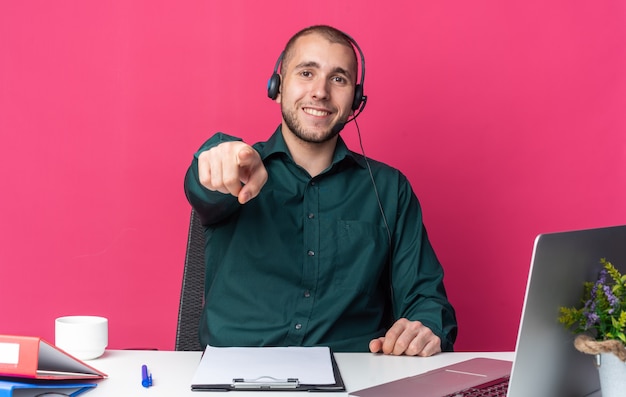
(507, 117)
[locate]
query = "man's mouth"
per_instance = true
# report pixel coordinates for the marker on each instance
(316, 112)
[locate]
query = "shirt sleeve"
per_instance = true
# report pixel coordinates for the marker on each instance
(211, 206)
(418, 291)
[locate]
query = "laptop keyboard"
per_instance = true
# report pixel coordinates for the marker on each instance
(495, 388)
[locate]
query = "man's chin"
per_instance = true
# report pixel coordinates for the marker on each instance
(311, 133)
(316, 137)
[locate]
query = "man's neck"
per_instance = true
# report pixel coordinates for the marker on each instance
(313, 157)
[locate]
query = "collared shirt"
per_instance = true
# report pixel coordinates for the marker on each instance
(312, 260)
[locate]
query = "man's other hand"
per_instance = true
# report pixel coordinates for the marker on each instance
(411, 338)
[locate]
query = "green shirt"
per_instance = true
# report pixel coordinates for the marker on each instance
(309, 261)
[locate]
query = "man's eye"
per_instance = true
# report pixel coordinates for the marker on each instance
(339, 79)
(306, 73)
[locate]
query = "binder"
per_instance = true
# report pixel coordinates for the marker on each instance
(11, 388)
(268, 369)
(34, 358)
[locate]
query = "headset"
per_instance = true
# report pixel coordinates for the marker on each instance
(273, 84)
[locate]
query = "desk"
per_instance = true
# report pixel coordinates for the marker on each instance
(172, 372)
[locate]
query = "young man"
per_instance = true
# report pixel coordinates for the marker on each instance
(309, 243)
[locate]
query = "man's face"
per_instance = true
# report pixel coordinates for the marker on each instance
(317, 88)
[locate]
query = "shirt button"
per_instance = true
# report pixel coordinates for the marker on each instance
(298, 326)
(310, 253)
(311, 216)
(307, 293)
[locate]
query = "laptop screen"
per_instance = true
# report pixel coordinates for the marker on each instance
(546, 362)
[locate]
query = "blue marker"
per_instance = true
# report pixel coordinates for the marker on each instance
(146, 378)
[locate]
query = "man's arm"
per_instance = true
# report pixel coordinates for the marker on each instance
(224, 171)
(426, 321)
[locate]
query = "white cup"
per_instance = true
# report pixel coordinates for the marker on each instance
(84, 337)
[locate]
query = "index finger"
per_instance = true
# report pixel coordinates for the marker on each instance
(252, 173)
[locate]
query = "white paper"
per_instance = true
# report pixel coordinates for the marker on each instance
(220, 365)
(9, 353)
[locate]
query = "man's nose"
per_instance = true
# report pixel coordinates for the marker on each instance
(320, 89)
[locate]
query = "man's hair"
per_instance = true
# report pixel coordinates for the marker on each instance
(331, 34)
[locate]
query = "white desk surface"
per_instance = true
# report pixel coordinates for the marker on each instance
(172, 372)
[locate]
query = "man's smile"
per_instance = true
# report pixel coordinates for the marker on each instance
(316, 112)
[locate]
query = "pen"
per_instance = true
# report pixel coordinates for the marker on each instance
(146, 378)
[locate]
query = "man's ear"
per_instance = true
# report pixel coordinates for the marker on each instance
(280, 88)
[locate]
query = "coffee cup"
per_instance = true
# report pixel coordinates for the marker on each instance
(84, 337)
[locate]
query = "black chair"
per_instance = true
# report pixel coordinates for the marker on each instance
(192, 291)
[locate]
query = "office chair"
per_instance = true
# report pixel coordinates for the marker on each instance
(192, 291)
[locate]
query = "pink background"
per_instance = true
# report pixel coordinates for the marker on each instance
(508, 118)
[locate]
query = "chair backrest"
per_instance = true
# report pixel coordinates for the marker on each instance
(192, 291)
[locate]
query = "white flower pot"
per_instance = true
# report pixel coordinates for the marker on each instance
(612, 375)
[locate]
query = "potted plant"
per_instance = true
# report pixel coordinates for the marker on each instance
(600, 322)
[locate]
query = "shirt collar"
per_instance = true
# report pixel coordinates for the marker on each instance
(276, 144)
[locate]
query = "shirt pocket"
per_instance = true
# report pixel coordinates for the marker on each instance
(360, 251)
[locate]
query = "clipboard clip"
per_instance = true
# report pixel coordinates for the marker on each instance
(265, 382)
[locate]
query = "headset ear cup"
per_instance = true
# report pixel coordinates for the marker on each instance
(273, 86)
(358, 97)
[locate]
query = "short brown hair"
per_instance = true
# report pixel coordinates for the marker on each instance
(331, 34)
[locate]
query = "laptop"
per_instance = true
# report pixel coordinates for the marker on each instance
(546, 362)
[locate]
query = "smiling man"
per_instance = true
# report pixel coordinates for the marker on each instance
(313, 70)
(309, 243)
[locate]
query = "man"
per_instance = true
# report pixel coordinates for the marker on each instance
(309, 243)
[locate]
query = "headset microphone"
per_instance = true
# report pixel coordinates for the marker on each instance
(337, 128)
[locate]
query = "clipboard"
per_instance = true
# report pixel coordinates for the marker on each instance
(266, 369)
